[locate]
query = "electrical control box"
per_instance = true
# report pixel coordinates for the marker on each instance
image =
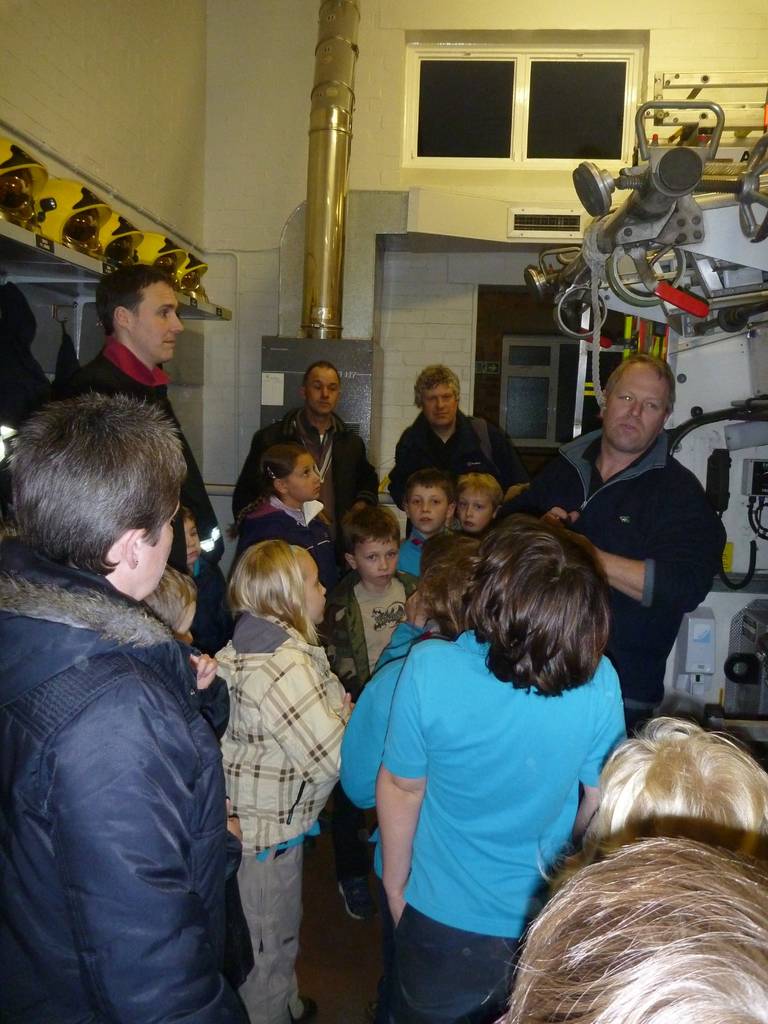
(284, 360)
(754, 479)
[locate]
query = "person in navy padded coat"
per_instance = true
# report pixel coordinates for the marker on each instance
(113, 819)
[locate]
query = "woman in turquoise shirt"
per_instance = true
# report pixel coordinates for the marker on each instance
(489, 740)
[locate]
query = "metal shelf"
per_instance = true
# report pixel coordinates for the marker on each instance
(66, 275)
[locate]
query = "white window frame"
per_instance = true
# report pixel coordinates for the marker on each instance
(522, 57)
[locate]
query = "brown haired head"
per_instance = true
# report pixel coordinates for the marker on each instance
(447, 563)
(369, 523)
(88, 469)
(319, 364)
(431, 478)
(276, 462)
(540, 600)
(125, 287)
(434, 376)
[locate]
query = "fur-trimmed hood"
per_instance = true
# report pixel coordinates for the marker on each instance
(52, 616)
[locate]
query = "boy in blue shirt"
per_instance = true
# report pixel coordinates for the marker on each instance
(430, 502)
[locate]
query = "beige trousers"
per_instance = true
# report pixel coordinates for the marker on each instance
(270, 891)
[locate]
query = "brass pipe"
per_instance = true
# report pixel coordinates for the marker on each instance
(330, 137)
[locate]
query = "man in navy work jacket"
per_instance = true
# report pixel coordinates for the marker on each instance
(442, 437)
(347, 479)
(654, 531)
(113, 819)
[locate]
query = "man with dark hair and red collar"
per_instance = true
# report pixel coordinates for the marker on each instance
(138, 310)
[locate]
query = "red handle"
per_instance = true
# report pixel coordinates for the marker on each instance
(683, 300)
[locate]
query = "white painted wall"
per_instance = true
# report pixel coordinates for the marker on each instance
(260, 68)
(688, 36)
(118, 89)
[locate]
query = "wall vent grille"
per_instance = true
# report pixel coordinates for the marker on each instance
(528, 222)
(547, 222)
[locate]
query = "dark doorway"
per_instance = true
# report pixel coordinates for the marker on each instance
(506, 310)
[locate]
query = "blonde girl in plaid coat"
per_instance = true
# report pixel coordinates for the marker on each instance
(281, 756)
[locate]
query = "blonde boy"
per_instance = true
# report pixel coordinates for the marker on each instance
(479, 498)
(676, 779)
(174, 601)
(430, 502)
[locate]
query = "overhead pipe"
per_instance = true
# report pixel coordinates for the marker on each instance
(330, 138)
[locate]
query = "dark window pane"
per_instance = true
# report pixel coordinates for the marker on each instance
(530, 355)
(576, 109)
(465, 108)
(527, 399)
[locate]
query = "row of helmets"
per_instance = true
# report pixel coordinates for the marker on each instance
(69, 213)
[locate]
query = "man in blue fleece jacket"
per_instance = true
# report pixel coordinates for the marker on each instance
(656, 536)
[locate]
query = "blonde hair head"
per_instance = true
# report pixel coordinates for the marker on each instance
(172, 597)
(675, 778)
(483, 482)
(660, 367)
(663, 931)
(268, 580)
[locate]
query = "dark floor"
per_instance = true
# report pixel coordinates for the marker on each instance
(339, 961)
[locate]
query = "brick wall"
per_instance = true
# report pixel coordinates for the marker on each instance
(426, 318)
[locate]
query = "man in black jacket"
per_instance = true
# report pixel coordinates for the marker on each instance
(113, 820)
(655, 534)
(348, 478)
(138, 310)
(442, 437)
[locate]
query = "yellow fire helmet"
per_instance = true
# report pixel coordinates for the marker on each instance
(158, 251)
(20, 177)
(71, 214)
(189, 276)
(119, 239)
